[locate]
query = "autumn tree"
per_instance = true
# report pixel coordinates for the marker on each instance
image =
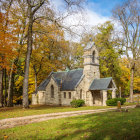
(48, 50)
(33, 7)
(13, 26)
(26, 14)
(73, 58)
(125, 76)
(128, 17)
(7, 46)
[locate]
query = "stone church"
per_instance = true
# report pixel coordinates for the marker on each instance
(60, 88)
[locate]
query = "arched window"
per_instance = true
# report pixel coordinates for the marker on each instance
(93, 57)
(52, 91)
(81, 94)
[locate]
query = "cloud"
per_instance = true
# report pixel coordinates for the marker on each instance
(94, 18)
(85, 19)
(85, 22)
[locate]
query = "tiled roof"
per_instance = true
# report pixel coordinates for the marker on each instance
(69, 79)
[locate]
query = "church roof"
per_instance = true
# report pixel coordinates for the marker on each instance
(43, 84)
(69, 79)
(101, 84)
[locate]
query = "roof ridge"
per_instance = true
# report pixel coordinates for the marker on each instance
(68, 71)
(105, 78)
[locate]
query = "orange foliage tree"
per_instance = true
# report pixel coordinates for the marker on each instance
(7, 48)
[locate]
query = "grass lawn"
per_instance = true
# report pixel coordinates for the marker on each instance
(12, 112)
(102, 126)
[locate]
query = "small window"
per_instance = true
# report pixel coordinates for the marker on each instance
(93, 57)
(69, 95)
(81, 94)
(52, 91)
(64, 94)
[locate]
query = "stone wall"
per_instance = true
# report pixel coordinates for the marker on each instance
(66, 101)
(81, 87)
(104, 92)
(41, 97)
(34, 99)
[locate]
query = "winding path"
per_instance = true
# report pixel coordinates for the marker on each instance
(12, 122)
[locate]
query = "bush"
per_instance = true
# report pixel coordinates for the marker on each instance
(113, 102)
(77, 103)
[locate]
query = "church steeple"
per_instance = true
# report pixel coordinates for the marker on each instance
(91, 62)
(91, 54)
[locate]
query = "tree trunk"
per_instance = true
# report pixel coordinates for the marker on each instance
(27, 61)
(5, 87)
(36, 76)
(35, 82)
(131, 84)
(10, 96)
(1, 88)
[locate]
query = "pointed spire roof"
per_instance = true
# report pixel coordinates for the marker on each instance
(90, 44)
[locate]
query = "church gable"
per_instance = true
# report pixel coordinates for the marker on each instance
(52, 90)
(102, 84)
(43, 84)
(70, 80)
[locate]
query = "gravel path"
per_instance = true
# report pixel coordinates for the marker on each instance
(12, 122)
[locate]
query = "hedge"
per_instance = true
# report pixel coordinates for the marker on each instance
(113, 102)
(77, 103)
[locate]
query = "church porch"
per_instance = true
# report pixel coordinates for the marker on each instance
(100, 89)
(99, 97)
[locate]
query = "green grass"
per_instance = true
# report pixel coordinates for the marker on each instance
(126, 103)
(102, 126)
(13, 112)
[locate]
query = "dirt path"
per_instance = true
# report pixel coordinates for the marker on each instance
(12, 122)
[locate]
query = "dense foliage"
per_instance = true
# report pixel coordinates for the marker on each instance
(114, 101)
(77, 103)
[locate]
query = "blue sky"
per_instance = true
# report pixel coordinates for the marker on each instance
(103, 7)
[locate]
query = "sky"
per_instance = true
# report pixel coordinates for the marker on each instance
(96, 12)
(103, 7)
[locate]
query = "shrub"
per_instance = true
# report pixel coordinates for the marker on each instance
(113, 102)
(77, 103)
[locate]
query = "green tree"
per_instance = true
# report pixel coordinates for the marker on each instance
(108, 52)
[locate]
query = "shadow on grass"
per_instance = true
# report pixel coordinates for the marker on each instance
(108, 126)
(102, 126)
